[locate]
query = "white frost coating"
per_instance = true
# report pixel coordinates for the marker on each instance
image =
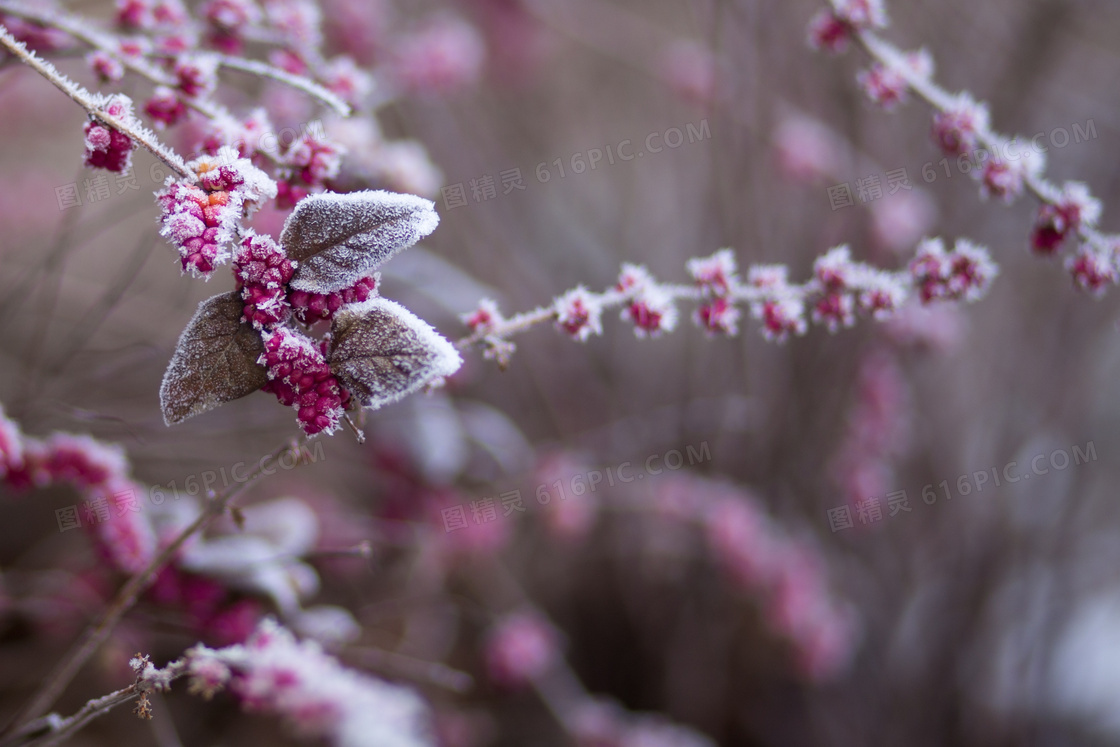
(257, 186)
(328, 624)
(317, 695)
(341, 238)
(288, 523)
(253, 564)
(392, 339)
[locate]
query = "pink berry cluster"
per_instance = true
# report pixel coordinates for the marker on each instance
(227, 21)
(98, 472)
(833, 28)
(715, 277)
(208, 607)
(274, 673)
(965, 272)
(263, 271)
(151, 15)
(650, 307)
(877, 430)
(106, 147)
(579, 313)
(310, 307)
(306, 166)
(442, 56)
(195, 76)
(1006, 167)
(786, 576)
(202, 219)
(300, 378)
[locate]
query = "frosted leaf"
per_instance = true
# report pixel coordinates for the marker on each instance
(251, 563)
(382, 352)
(214, 362)
(338, 239)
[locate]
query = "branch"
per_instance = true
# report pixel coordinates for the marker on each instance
(96, 633)
(839, 289)
(85, 99)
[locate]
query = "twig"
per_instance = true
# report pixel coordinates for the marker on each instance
(308, 86)
(84, 99)
(941, 100)
(96, 633)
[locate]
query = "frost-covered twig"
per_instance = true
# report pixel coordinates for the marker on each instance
(99, 630)
(839, 289)
(313, 692)
(96, 109)
(310, 87)
(58, 729)
(961, 128)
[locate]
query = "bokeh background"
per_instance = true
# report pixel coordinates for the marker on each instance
(723, 595)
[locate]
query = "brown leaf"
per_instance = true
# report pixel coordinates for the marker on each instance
(338, 239)
(214, 362)
(382, 352)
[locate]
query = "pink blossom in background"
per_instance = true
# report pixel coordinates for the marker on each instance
(443, 56)
(689, 70)
(807, 151)
(517, 43)
(520, 649)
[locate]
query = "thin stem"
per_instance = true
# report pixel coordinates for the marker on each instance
(308, 86)
(97, 632)
(941, 100)
(85, 99)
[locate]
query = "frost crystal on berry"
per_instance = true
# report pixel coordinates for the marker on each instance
(1004, 178)
(197, 74)
(883, 85)
(165, 107)
(881, 294)
(781, 316)
(715, 274)
(314, 159)
(1064, 214)
(1092, 270)
(861, 14)
(263, 271)
(484, 317)
(106, 67)
(300, 377)
(199, 223)
(957, 129)
(578, 313)
(275, 673)
(652, 311)
(835, 310)
(830, 30)
(964, 273)
(106, 147)
(829, 33)
(314, 307)
(718, 317)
